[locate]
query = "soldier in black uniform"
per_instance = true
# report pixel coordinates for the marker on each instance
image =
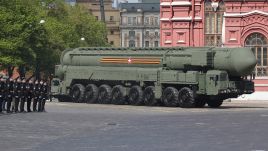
(23, 95)
(37, 88)
(9, 92)
(29, 94)
(17, 94)
(2, 93)
(40, 97)
(44, 96)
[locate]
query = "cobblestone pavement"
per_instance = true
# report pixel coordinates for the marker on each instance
(236, 126)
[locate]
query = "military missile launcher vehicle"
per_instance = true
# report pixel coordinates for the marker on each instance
(185, 77)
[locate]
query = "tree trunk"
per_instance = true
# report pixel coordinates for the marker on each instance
(22, 71)
(10, 70)
(37, 70)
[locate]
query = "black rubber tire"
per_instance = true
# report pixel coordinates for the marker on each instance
(200, 103)
(170, 97)
(149, 96)
(214, 103)
(61, 99)
(91, 93)
(135, 95)
(77, 93)
(104, 95)
(64, 98)
(186, 98)
(119, 95)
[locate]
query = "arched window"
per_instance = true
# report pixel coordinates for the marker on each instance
(258, 44)
(255, 39)
(213, 22)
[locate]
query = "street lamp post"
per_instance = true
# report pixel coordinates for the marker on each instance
(82, 42)
(37, 66)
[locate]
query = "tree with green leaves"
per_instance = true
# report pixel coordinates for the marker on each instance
(33, 33)
(17, 24)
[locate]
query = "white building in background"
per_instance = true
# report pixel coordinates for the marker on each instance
(139, 26)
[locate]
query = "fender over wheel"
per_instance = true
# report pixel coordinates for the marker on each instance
(77, 93)
(135, 95)
(119, 95)
(149, 96)
(170, 97)
(186, 98)
(104, 96)
(91, 93)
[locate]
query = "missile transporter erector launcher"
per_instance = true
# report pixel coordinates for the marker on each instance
(185, 77)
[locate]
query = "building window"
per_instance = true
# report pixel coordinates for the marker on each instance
(131, 43)
(258, 44)
(167, 38)
(97, 17)
(131, 33)
(151, 20)
(112, 32)
(156, 44)
(156, 21)
(111, 18)
(124, 20)
(129, 20)
(134, 20)
(181, 37)
(139, 20)
(146, 43)
(156, 34)
(213, 23)
(112, 42)
(147, 33)
(147, 20)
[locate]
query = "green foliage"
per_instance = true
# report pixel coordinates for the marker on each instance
(26, 42)
(15, 22)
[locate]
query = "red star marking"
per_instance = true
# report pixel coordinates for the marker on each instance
(129, 60)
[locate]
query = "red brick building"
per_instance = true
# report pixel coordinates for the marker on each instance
(5, 73)
(230, 23)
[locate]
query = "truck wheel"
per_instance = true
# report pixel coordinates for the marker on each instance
(135, 95)
(61, 99)
(104, 96)
(170, 97)
(186, 98)
(199, 103)
(214, 103)
(77, 93)
(118, 95)
(149, 96)
(91, 93)
(64, 99)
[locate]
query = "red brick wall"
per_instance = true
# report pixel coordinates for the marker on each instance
(261, 84)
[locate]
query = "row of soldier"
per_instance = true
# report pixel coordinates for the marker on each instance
(15, 93)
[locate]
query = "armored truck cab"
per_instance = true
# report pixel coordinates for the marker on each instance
(185, 77)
